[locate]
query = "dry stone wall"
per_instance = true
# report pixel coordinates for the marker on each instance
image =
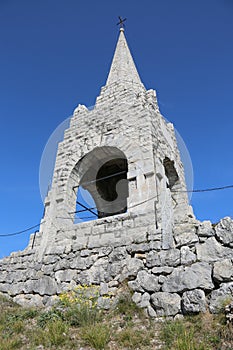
(194, 276)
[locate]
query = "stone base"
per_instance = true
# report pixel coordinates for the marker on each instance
(196, 275)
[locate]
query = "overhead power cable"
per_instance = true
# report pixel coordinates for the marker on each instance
(138, 204)
(206, 189)
(19, 232)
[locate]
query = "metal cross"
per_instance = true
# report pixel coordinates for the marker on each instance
(121, 22)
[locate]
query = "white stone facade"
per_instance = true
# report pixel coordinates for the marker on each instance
(125, 123)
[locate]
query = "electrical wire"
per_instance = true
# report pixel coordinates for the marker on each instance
(206, 189)
(19, 232)
(133, 206)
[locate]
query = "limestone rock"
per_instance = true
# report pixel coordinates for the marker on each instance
(131, 268)
(195, 276)
(44, 286)
(187, 256)
(166, 304)
(185, 234)
(134, 285)
(152, 259)
(205, 229)
(220, 296)
(223, 270)
(118, 254)
(169, 257)
(137, 297)
(212, 251)
(193, 301)
(29, 300)
(103, 289)
(65, 275)
(163, 270)
(148, 281)
(224, 231)
(151, 312)
(145, 300)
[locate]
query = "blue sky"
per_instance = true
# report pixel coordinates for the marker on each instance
(56, 54)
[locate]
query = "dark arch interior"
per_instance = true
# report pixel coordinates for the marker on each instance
(170, 172)
(111, 188)
(103, 174)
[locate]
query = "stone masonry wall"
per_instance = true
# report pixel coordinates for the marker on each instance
(196, 275)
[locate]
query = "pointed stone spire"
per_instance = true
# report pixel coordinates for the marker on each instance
(123, 67)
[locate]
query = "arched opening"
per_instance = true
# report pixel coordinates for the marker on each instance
(101, 186)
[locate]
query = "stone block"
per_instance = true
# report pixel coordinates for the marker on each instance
(220, 297)
(224, 231)
(194, 301)
(212, 251)
(166, 304)
(195, 276)
(148, 281)
(187, 256)
(223, 270)
(205, 229)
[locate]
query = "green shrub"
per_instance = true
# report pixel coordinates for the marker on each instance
(48, 316)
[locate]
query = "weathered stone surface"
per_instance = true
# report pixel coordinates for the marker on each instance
(205, 229)
(163, 270)
(145, 300)
(168, 304)
(138, 248)
(137, 297)
(193, 301)
(151, 312)
(65, 275)
(131, 268)
(182, 279)
(169, 257)
(185, 234)
(62, 264)
(29, 300)
(148, 281)
(103, 289)
(223, 270)
(118, 254)
(220, 296)
(224, 230)
(152, 259)
(135, 286)
(212, 251)
(187, 256)
(44, 286)
(104, 251)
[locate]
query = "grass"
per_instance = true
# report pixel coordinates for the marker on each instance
(200, 332)
(75, 325)
(131, 338)
(97, 335)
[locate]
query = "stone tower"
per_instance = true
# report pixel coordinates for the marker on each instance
(125, 154)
